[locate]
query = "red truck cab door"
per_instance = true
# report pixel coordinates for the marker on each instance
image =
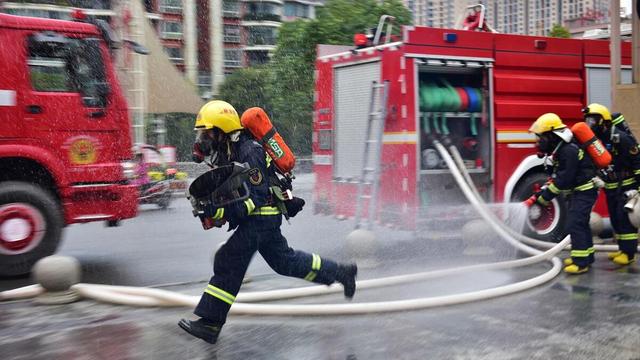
(72, 101)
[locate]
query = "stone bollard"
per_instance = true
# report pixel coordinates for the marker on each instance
(477, 235)
(56, 274)
(362, 245)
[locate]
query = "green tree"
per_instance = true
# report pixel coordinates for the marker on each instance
(247, 88)
(559, 31)
(292, 64)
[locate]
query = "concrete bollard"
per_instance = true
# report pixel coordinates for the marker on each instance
(56, 274)
(477, 235)
(362, 245)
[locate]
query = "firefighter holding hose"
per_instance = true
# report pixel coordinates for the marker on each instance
(223, 139)
(572, 175)
(621, 179)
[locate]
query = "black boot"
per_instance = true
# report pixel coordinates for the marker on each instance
(202, 329)
(346, 275)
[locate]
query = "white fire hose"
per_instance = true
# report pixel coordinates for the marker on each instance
(157, 297)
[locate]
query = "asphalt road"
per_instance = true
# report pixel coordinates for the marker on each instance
(591, 316)
(170, 246)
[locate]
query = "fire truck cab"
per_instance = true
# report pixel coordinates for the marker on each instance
(478, 91)
(65, 146)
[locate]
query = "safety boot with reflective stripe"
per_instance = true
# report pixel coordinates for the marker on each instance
(346, 275)
(201, 329)
(613, 255)
(623, 259)
(575, 269)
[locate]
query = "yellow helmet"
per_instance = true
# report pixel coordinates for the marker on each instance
(218, 114)
(547, 122)
(597, 109)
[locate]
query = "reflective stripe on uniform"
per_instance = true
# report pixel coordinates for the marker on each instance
(580, 154)
(554, 189)
(629, 181)
(614, 185)
(316, 262)
(268, 160)
(220, 294)
(586, 186)
(636, 172)
(219, 214)
(618, 120)
(629, 236)
(582, 253)
(266, 210)
(250, 205)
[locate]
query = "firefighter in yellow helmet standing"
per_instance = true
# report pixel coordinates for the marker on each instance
(571, 176)
(621, 178)
(221, 141)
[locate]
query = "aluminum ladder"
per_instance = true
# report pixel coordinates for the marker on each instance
(370, 176)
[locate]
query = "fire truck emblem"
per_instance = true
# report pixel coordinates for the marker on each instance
(83, 151)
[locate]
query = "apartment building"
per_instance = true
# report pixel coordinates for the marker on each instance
(205, 39)
(537, 17)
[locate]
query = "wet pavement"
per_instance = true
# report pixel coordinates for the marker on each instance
(594, 316)
(591, 316)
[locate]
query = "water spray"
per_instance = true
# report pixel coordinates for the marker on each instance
(162, 298)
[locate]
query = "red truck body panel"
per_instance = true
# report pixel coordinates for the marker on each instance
(81, 150)
(528, 76)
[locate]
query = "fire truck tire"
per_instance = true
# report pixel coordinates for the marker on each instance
(31, 225)
(551, 225)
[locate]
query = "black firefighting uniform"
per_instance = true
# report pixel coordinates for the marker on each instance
(258, 223)
(572, 176)
(623, 176)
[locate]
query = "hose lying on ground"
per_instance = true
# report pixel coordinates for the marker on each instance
(158, 297)
(520, 237)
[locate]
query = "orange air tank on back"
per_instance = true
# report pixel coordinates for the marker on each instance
(592, 145)
(257, 122)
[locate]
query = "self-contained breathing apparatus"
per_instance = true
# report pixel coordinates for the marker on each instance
(226, 182)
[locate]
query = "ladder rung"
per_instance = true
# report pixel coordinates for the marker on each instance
(369, 169)
(375, 113)
(378, 86)
(365, 196)
(372, 141)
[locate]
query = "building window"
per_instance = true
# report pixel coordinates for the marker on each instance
(171, 30)
(174, 54)
(296, 10)
(262, 35)
(231, 9)
(233, 58)
(171, 6)
(231, 34)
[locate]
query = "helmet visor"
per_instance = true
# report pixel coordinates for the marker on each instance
(593, 120)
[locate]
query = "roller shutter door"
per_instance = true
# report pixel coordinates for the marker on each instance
(352, 96)
(599, 85)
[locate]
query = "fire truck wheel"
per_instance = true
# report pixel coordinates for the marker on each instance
(30, 226)
(543, 223)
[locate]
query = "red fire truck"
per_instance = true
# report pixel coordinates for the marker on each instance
(65, 144)
(479, 91)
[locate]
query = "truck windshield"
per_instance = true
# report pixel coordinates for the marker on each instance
(61, 64)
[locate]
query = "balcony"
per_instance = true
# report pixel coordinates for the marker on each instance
(232, 63)
(262, 17)
(261, 40)
(231, 39)
(171, 35)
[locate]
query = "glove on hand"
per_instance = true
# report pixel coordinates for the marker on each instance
(294, 206)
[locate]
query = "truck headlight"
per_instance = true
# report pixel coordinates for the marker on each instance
(128, 170)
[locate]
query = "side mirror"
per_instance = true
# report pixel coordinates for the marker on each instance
(137, 48)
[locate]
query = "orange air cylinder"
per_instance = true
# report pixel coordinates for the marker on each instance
(594, 147)
(257, 122)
